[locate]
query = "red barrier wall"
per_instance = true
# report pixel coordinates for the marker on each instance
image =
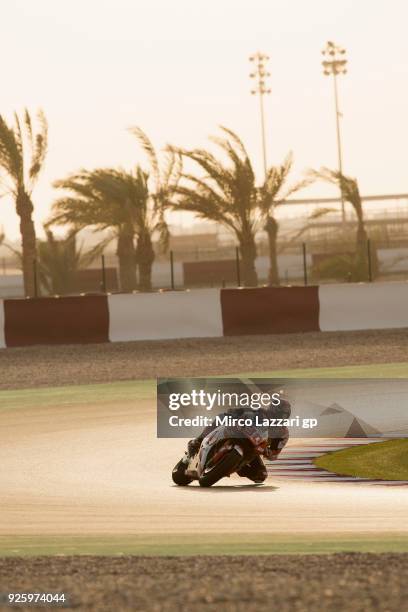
(68, 320)
(210, 272)
(270, 310)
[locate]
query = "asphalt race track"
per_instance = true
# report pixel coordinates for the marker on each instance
(99, 469)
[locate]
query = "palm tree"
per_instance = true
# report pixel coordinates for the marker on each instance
(115, 200)
(59, 261)
(104, 199)
(22, 155)
(163, 180)
(225, 194)
(270, 195)
(349, 189)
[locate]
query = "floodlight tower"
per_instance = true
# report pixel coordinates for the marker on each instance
(335, 63)
(260, 75)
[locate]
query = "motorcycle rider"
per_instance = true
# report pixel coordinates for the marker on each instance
(278, 437)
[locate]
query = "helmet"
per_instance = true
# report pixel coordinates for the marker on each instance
(281, 411)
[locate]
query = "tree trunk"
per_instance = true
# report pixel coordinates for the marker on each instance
(145, 259)
(362, 253)
(271, 228)
(24, 208)
(362, 267)
(127, 260)
(248, 256)
(361, 236)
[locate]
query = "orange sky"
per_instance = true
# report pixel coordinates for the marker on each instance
(178, 69)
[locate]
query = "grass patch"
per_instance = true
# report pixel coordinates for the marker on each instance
(382, 460)
(127, 391)
(131, 390)
(206, 544)
(376, 370)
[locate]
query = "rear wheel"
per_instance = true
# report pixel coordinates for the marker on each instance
(179, 474)
(226, 466)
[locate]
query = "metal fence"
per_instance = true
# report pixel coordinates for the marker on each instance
(299, 263)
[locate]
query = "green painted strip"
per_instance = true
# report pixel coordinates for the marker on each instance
(209, 544)
(379, 370)
(129, 391)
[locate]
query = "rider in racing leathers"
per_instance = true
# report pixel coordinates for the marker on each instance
(278, 437)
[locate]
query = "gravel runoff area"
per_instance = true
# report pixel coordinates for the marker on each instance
(38, 366)
(353, 582)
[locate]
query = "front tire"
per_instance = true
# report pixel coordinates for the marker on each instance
(179, 474)
(226, 466)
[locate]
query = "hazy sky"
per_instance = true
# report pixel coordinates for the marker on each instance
(180, 68)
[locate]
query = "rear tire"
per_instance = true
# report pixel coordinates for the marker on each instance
(179, 474)
(225, 467)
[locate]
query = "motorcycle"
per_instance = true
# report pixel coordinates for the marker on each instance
(222, 452)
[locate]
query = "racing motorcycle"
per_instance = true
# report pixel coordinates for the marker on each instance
(222, 452)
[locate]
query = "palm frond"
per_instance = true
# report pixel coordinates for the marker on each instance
(6, 188)
(274, 192)
(225, 192)
(96, 251)
(106, 197)
(10, 158)
(59, 261)
(29, 126)
(202, 186)
(320, 212)
(221, 177)
(168, 166)
(242, 168)
(236, 139)
(206, 206)
(18, 136)
(294, 188)
(348, 187)
(40, 145)
(163, 231)
(149, 150)
(172, 169)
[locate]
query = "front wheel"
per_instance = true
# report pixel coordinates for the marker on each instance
(226, 466)
(179, 474)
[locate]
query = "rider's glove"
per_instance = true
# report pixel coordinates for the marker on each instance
(271, 453)
(193, 446)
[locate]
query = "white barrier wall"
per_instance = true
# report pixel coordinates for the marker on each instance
(154, 316)
(363, 306)
(2, 338)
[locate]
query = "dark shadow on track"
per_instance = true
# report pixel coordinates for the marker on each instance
(230, 488)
